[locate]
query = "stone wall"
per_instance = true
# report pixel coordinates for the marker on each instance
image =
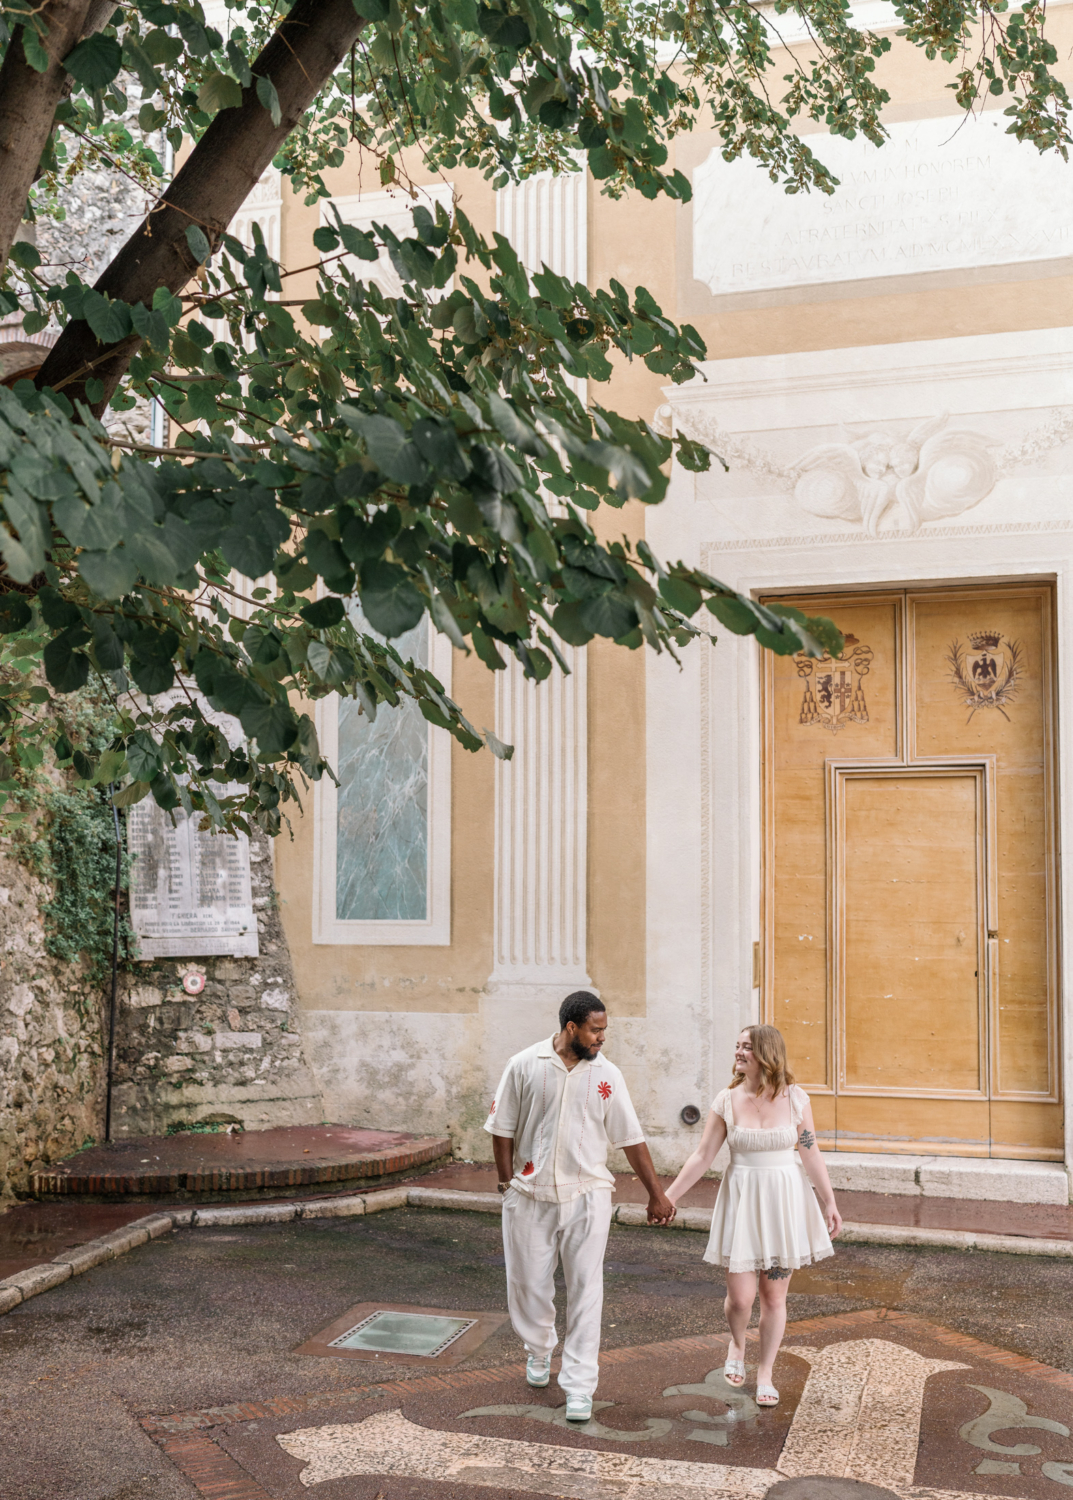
(51, 1053)
(229, 1055)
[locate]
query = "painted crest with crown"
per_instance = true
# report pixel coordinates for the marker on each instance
(986, 670)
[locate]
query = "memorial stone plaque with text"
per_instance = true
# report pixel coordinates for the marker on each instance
(189, 891)
(943, 194)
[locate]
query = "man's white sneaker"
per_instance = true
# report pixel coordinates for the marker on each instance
(578, 1408)
(537, 1371)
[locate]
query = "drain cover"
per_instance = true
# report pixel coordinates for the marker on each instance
(421, 1334)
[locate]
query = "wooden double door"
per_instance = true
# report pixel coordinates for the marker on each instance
(909, 898)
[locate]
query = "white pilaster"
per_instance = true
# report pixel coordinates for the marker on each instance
(541, 795)
(540, 849)
(546, 220)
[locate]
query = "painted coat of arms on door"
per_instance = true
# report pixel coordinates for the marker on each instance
(986, 671)
(834, 686)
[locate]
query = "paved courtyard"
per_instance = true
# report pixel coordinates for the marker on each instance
(173, 1372)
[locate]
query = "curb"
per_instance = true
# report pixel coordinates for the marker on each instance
(14, 1290)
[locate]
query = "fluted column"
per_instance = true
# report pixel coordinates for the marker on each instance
(541, 809)
(541, 795)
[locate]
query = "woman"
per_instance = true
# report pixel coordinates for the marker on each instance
(766, 1220)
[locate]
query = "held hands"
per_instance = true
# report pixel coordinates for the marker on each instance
(660, 1209)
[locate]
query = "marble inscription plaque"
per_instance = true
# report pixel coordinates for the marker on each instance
(942, 194)
(189, 891)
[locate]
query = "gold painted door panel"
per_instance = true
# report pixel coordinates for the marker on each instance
(909, 884)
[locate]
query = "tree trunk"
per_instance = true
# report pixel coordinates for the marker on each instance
(212, 186)
(28, 101)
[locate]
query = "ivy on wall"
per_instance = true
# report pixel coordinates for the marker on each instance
(57, 819)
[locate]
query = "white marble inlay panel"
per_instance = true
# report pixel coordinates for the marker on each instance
(390, 1444)
(859, 1414)
(941, 194)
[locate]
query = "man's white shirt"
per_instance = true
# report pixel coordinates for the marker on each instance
(563, 1120)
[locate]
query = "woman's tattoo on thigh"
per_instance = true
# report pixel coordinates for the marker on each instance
(776, 1273)
(806, 1139)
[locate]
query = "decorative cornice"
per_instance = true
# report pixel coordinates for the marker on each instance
(816, 539)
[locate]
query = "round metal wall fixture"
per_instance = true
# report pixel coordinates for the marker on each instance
(193, 984)
(690, 1115)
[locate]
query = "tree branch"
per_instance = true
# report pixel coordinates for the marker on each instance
(212, 186)
(28, 101)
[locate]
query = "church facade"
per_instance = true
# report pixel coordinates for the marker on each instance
(865, 851)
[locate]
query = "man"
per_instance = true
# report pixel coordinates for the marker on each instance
(559, 1108)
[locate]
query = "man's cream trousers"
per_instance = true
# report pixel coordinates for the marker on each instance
(535, 1235)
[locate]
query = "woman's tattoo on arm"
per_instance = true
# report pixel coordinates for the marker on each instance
(806, 1139)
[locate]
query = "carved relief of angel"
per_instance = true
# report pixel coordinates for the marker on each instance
(932, 473)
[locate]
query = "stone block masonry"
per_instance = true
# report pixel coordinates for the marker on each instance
(51, 1054)
(230, 1055)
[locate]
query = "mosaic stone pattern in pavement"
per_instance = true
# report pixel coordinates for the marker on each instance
(881, 1399)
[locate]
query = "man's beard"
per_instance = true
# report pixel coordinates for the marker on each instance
(584, 1054)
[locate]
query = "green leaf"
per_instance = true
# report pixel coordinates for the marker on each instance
(66, 668)
(357, 242)
(495, 469)
(389, 600)
(57, 612)
(437, 444)
(497, 747)
(266, 93)
(131, 794)
(162, 49)
(153, 676)
(273, 725)
(199, 245)
(152, 326)
(324, 613)
(95, 61)
(219, 91)
(151, 118)
(735, 614)
(327, 557)
(609, 615)
(109, 574)
(504, 31)
(143, 756)
(26, 255)
(372, 10)
(332, 665)
(391, 450)
(34, 51)
(680, 594)
(110, 321)
(107, 647)
(568, 624)
(15, 613)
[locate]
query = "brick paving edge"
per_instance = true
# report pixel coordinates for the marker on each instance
(16, 1289)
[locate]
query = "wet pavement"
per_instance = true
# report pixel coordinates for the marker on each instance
(173, 1372)
(1033, 1220)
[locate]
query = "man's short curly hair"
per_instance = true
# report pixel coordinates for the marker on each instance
(578, 1006)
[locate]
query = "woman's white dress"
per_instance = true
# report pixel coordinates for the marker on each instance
(766, 1213)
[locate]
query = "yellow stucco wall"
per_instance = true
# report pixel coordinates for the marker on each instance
(649, 243)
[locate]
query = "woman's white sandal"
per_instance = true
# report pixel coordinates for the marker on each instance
(766, 1395)
(734, 1372)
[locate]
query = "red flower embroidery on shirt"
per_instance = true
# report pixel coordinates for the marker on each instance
(604, 1090)
(493, 1108)
(527, 1169)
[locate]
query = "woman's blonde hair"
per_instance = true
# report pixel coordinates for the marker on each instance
(769, 1049)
